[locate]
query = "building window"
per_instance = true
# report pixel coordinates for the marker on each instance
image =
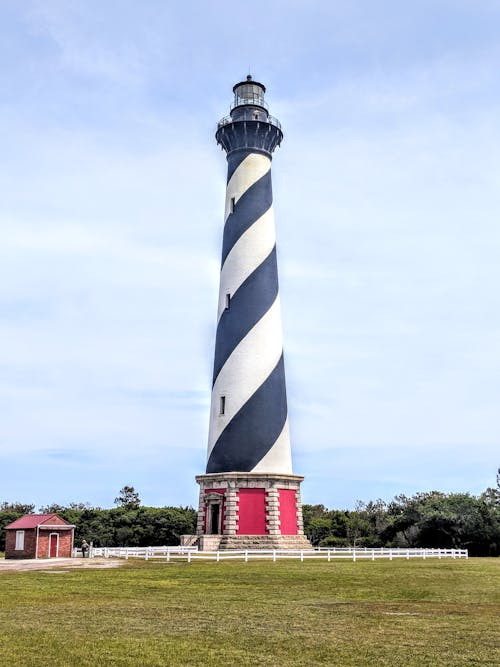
(222, 405)
(228, 301)
(19, 540)
(233, 204)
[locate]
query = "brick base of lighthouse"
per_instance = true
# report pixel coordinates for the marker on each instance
(250, 511)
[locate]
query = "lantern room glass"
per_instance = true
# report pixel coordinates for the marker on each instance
(249, 94)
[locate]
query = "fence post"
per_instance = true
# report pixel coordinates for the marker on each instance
(189, 556)
(246, 556)
(354, 555)
(274, 555)
(126, 553)
(168, 556)
(407, 554)
(301, 556)
(218, 556)
(329, 555)
(373, 554)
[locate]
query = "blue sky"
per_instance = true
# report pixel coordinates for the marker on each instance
(387, 200)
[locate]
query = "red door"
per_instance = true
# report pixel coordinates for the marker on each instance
(53, 545)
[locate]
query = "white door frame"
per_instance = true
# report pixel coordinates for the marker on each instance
(57, 545)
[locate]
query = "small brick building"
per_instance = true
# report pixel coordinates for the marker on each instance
(39, 536)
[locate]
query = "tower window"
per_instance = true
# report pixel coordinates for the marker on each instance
(228, 301)
(222, 405)
(233, 204)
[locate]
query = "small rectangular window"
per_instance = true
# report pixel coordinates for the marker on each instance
(222, 405)
(228, 301)
(19, 540)
(233, 204)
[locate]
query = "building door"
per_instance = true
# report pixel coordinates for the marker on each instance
(53, 545)
(214, 519)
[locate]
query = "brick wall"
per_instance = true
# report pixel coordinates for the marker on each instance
(64, 543)
(56, 520)
(29, 544)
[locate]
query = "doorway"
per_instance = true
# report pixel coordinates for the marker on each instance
(53, 545)
(214, 519)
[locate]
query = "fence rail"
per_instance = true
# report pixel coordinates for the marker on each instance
(134, 552)
(191, 554)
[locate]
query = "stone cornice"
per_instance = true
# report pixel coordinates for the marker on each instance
(250, 476)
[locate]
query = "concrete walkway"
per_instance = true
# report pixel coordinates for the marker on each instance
(57, 563)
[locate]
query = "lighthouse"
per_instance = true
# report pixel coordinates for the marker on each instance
(249, 496)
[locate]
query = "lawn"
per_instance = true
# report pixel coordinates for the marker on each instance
(287, 613)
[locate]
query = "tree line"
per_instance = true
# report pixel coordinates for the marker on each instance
(431, 519)
(129, 524)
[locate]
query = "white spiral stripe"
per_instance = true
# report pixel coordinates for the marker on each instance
(279, 458)
(246, 369)
(253, 167)
(249, 251)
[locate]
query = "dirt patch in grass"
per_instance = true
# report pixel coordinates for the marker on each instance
(24, 564)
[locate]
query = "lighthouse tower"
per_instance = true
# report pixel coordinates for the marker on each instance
(249, 496)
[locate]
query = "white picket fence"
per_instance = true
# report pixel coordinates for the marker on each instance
(134, 552)
(191, 554)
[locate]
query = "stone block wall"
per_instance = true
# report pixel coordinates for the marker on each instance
(230, 484)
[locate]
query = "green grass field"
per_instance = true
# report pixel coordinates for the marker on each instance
(287, 613)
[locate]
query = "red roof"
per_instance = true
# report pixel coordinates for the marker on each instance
(33, 520)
